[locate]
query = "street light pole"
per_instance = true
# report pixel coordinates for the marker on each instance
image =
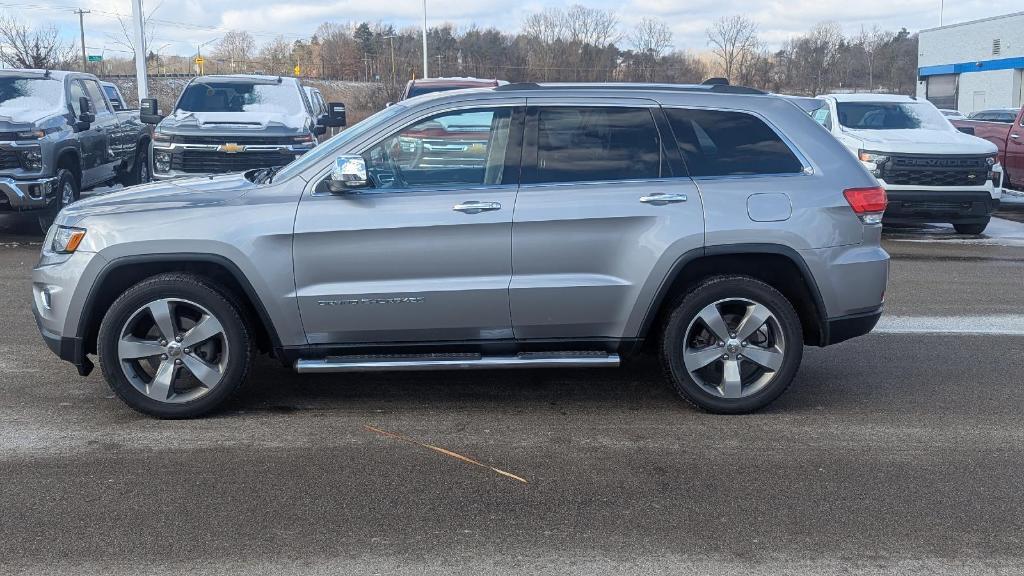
(140, 50)
(942, 8)
(425, 73)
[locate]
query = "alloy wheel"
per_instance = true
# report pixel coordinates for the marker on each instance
(173, 350)
(734, 347)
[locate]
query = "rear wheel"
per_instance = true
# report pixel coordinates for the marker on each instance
(732, 345)
(175, 346)
(975, 229)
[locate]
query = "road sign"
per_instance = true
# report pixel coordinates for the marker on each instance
(199, 60)
(95, 58)
(298, 70)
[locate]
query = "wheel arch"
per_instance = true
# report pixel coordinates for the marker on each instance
(780, 266)
(70, 159)
(126, 271)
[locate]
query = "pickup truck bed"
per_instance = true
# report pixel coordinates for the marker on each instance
(1009, 138)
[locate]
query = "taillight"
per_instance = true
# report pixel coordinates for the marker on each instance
(867, 203)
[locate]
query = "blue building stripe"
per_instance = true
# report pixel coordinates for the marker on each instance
(975, 66)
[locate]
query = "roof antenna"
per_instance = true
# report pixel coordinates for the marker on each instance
(717, 81)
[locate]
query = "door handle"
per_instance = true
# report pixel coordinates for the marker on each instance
(475, 207)
(1015, 136)
(662, 199)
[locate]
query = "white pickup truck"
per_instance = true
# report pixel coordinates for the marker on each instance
(931, 171)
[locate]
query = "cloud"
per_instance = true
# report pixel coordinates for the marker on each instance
(185, 23)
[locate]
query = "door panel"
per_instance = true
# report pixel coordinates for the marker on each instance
(404, 266)
(426, 253)
(582, 252)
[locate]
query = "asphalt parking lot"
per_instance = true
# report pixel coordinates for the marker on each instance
(898, 453)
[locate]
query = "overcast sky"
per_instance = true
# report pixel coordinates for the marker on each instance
(186, 23)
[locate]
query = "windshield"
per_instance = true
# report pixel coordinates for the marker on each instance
(27, 99)
(330, 147)
(891, 116)
(241, 97)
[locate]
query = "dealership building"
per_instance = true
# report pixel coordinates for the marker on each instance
(973, 65)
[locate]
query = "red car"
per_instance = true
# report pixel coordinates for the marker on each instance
(1010, 140)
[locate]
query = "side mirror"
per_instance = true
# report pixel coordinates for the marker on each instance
(319, 129)
(335, 115)
(87, 116)
(348, 175)
(149, 112)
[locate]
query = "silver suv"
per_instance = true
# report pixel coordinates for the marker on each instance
(521, 226)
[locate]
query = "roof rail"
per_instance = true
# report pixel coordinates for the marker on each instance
(716, 88)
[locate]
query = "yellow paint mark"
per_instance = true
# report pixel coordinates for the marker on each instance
(439, 450)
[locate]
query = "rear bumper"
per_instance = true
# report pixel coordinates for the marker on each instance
(20, 195)
(847, 327)
(908, 206)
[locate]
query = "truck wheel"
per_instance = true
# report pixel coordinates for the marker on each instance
(175, 346)
(139, 173)
(67, 192)
(973, 229)
(732, 345)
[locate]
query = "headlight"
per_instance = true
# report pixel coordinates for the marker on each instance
(32, 159)
(872, 157)
(30, 134)
(66, 239)
(161, 138)
(162, 161)
(304, 139)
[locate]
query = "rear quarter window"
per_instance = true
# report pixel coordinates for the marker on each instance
(727, 143)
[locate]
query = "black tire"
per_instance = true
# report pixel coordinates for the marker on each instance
(197, 289)
(686, 310)
(65, 179)
(973, 229)
(140, 172)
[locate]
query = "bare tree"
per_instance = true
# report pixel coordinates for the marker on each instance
(591, 26)
(277, 56)
(732, 38)
(236, 48)
(33, 47)
(651, 37)
(126, 37)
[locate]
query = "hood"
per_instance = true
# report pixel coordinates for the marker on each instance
(182, 193)
(30, 110)
(242, 122)
(921, 142)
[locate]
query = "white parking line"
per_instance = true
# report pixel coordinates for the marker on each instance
(1005, 324)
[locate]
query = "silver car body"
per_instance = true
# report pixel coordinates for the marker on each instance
(556, 262)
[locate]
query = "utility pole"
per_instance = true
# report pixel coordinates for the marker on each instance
(425, 74)
(81, 28)
(138, 19)
(438, 65)
(394, 78)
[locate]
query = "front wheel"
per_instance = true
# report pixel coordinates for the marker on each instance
(732, 345)
(175, 346)
(973, 229)
(67, 192)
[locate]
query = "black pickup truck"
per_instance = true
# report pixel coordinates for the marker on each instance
(59, 135)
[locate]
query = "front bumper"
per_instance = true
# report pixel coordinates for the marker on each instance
(961, 206)
(66, 348)
(18, 195)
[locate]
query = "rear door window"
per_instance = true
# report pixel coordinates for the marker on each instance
(590, 144)
(728, 143)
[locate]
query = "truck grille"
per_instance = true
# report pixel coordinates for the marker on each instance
(936, 171)
(208, 161)
(246, 140)
(9, 160)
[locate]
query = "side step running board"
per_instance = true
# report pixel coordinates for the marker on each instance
(390, 363)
